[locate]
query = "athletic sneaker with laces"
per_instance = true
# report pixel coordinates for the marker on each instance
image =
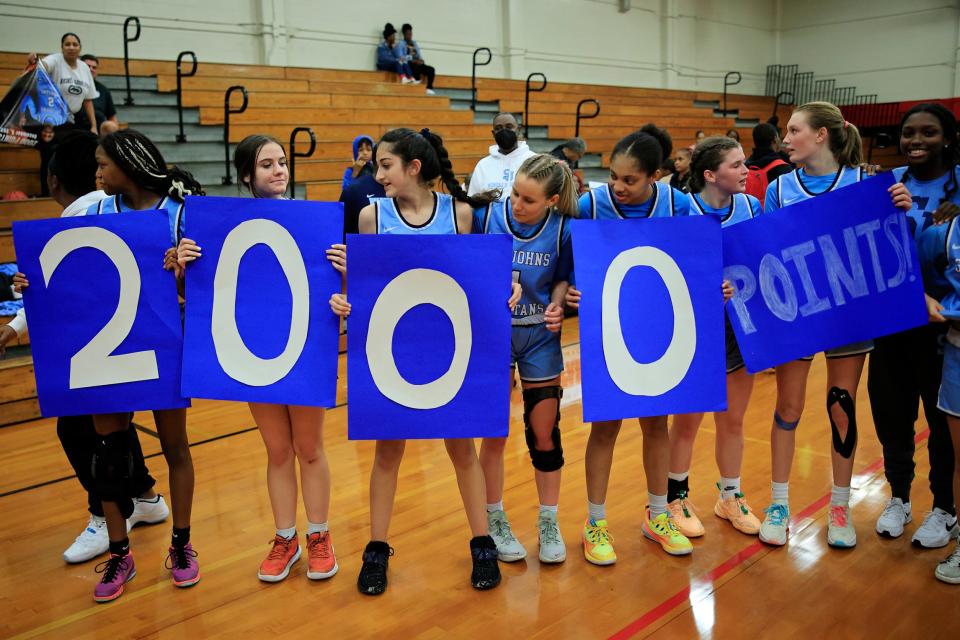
(949, 570)
(937, 530)
(148, 511)
(509, 548)
(663, 531)
(840, 530)
(283, 554)
(776, 524)
(117, 571)
(183, 565)
(895, 516)
(685, 517)
(738, 513)
(372, 580)
(552, 547)
(321, 560)
(597, 543)
(91, 542)
(486, 571)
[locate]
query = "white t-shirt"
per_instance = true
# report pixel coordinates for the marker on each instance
(76, 85)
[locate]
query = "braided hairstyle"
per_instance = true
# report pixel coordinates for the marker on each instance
(708, 156)
(648, 147)
(950, 156)
(427, 147)
(556, 178)
(142, 162)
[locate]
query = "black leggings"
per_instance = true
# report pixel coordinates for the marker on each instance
(424, 70)
(905, 370)
(78, 438)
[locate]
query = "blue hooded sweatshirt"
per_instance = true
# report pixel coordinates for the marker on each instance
(348, 177)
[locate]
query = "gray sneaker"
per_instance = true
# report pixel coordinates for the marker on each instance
(949, 569)
(509, 548)
(552, 548)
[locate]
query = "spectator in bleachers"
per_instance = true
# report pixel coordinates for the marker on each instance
(387, 59)
(357, 196)
(681, 166)
(499, 168)
(700, 135)
(571, 152)
(666, 171)
(362, 156)
(766, 152)
(103, 108)
(734, 134)
(410, 50)
(72, 77)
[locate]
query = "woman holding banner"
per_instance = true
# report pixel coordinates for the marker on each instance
(407, 163)
(291, 434)
(542, 198)
(718, 179)
(831, 151)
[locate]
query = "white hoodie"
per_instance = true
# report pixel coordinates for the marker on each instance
(497, 170)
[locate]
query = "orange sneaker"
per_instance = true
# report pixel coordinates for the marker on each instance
(663, 531)
(738, 512)
(277, 564)
(685, 517)
(321, 561)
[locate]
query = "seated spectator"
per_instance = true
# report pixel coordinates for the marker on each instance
(681, 166)
(734, 134)
(700, 136)
(667, 170)
(103, 108)
(766, 154)
(410, 50)
(571, 152)
(497, 170)
(387, 59)
(362, 165)
(73, 78)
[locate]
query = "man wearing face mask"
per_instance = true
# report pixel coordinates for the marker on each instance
(498, 169)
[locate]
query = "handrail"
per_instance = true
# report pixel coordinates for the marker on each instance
(576, 130)
(473, 75)
(126, 54)
(526, 100)
(226, 125)
(181, 137)
(728, 83)
(294, 155)
(782, 100)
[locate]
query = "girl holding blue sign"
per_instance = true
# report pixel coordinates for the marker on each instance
(542, 198)
(290, 433)
(831, 151)
(718, 180)
(632, 192)
(407, 163)
(905, 367)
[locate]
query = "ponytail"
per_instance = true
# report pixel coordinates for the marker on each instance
(708, 156)
(556, 178)
(648, 147)
(844, 137)
(143, 163)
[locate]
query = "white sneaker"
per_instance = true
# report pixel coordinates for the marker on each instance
(431, 92)
(92, 542)
(775, 525)
(937, 530)
(895, 515)
(414, 81)
(509, 548)
(552, 547)
(406, 80)
(949, 570)
(840, 531)
(147, 512)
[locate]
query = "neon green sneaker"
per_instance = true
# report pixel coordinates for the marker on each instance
(663, 531)
(597, 547)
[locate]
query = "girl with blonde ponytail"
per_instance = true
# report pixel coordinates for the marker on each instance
(830, 150)
(542, 200)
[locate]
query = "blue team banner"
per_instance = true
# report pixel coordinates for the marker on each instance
(258, 324)
(428, 341)
(104, 318)
(651, 316)
(823, 273)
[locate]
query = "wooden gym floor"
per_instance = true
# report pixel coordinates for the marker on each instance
(731, 587)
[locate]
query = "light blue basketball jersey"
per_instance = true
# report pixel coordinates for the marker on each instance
(390, 221)
(939, 252)
(797, 186)
(172, 208)
(666, 201)
(542, 255)
(742, 207)
(927, 196)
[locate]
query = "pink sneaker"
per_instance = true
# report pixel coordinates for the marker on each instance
(117, 571)
(183, 565)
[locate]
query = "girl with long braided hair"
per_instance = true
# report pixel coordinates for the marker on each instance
(407, 163)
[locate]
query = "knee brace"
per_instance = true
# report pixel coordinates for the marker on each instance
(543, 460)
(112, 466)
(783, 424)
(843, 446)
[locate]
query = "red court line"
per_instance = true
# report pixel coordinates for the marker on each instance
(734, 561)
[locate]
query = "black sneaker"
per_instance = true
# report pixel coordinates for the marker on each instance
(373, 573)
(486, 571)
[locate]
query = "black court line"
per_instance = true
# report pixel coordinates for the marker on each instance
(143, 429)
